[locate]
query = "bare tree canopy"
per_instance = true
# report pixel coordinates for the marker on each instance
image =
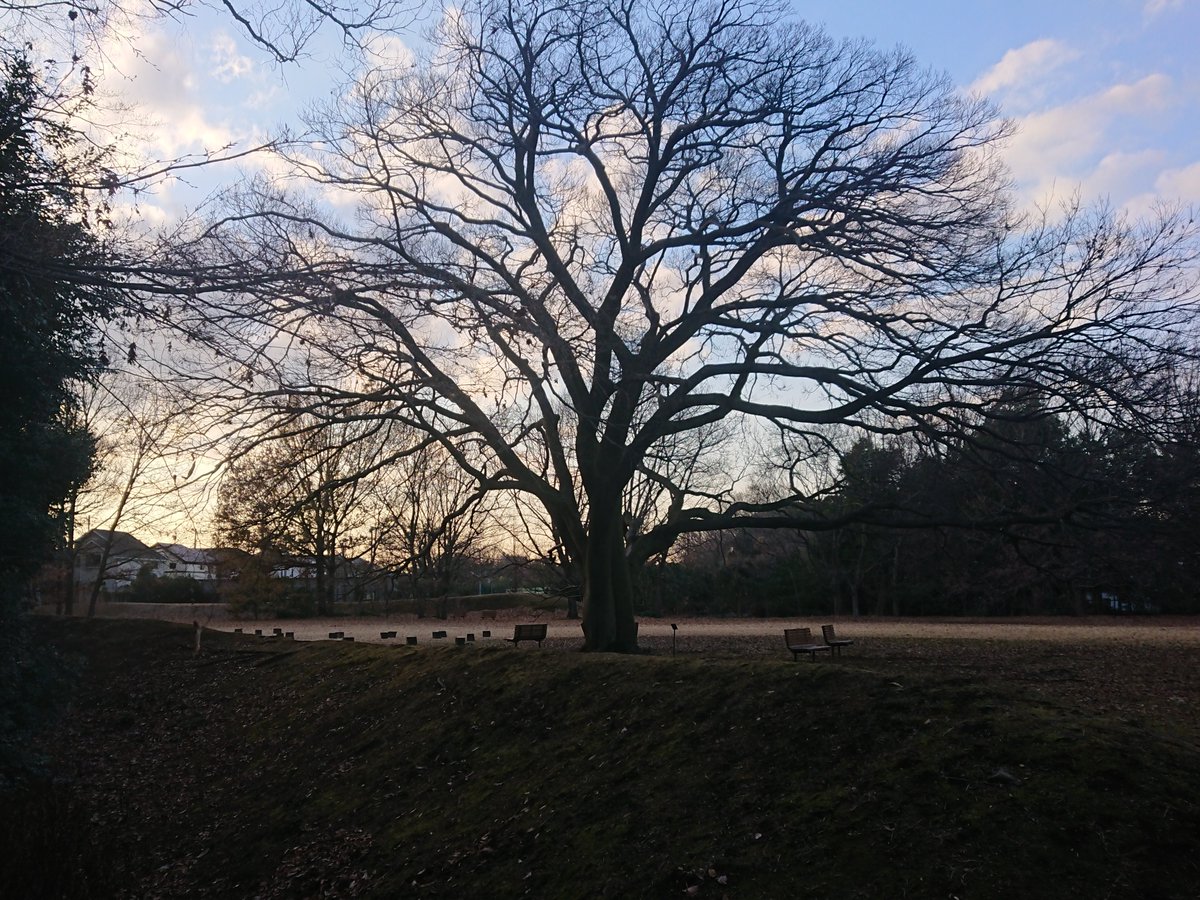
(601, 248)
(282, 30)
(363, 491)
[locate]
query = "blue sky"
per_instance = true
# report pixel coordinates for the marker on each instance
(1105, 94)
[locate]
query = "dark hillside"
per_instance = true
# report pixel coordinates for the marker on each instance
(273, 769)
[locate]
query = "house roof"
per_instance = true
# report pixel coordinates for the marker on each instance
(124, 545)
(186, 554)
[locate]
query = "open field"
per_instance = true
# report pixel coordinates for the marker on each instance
(934, 760)
(1145, 669)
(1154, 630)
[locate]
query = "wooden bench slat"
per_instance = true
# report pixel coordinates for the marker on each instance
(800, 640)
(833, 641)
(528, 632)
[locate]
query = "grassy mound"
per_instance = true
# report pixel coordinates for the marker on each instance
(264, 768)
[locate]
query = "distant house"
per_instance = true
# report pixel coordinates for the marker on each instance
(352, 579)
(185, 562)
(295, 568)
(127, 556)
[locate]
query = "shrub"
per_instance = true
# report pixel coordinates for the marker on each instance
(146, 588)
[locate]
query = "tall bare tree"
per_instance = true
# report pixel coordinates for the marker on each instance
(586, 229)
(432, 521)
(306, 491)
(141, 466)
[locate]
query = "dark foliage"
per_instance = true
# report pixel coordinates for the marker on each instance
(48, 316)
(1024, 516)
(146, 588)
(48, 342)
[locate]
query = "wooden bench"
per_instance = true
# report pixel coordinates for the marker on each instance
(800, 640)
(833, 641)
(532, 632)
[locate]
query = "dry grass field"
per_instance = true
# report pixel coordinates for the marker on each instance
(1139, 669)
(933, 759)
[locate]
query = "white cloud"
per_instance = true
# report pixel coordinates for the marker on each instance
(1024, 66)
(264, 98)
(166, 107)
(228, 64)
(389, 51)
(1154, 7)
(1126, 179)
(1180, 184)
(1059, 146)
(166, 95)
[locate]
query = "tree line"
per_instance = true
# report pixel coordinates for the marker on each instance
(1027, 517)
(367, 492)
(1028, 514)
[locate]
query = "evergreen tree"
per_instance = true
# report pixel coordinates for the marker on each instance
(49, 313)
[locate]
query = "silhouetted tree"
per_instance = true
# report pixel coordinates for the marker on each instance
(49, 339)
(589, 228)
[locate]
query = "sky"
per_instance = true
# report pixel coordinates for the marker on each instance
(1105, 94)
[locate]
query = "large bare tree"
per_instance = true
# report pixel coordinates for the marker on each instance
(309, 491)
(587, 229)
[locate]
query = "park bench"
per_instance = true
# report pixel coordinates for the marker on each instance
(832, 640)
(800, 640)
(532, 632)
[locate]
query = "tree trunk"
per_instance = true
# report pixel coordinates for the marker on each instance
(67, 602)
(68, 599)
(857, 579)
(608, 623)
(322, 587)
(103, 567)
(896, 579)
(135, 468)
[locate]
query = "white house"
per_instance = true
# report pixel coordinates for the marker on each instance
(126, 557)
(185, 562)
